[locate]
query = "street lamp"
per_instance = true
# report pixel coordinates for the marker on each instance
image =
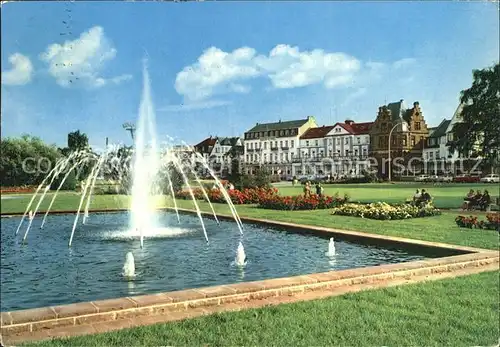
(129, 127)
(404, 128)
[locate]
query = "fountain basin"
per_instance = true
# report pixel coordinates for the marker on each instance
(45, 272)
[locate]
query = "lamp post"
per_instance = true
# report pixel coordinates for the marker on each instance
(404, 127)
(131, 128)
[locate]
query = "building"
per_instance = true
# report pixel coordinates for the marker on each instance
(338, 150)
(273, 145)
(408, 132)
(219, 152)
(436, 148)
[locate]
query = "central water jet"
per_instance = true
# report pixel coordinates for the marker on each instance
(145, 165)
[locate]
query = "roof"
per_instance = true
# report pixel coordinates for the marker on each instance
(279, 125)
(357, 128)
(315, 133)
(209, 141)
(397, 109)
(440, 130)
(228, 141)
(431, 130)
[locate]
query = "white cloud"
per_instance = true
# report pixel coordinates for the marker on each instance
(201, 105)
(21, 70)
(285, 66)
(79, 62)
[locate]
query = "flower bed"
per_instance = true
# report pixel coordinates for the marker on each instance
(313, 202)
(384, 211)
(492, 222)
(247, 196)
(17, 190)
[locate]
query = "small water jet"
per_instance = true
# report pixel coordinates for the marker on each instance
(129, 266)
(241, 258)
(331, 248)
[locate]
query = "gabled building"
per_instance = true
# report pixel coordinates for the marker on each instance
(273, 145)
(206, 146)
(407, 142)
(339, 149)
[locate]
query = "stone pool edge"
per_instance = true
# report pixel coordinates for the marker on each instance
(17, 325)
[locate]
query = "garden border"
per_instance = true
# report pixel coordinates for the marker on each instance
(46, 322)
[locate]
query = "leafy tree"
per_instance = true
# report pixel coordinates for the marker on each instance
(26, 160)
(480, 125)
(77, 141)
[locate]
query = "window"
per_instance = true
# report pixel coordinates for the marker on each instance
(316, 143)
(346, 152)
(413, 141)
(248, 157)
(282, 132)
(380, 142)
(287, 132)
(265, 157)
(291, 143)
(356, 152)
(286, 143)
(281, 156)
(265, 145)
(358, 139)
(404, 141)
(417, 126)
(281, 143)
(286, 156)
(338, 142)
(307, 143)
(346, 140)
(431, 155)
(437, 154)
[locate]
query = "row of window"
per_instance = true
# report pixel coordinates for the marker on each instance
(442, 140)
(286, 156)
(272, 133)
(272, 144)
(383, 141)
(347, 141)
(435, 154)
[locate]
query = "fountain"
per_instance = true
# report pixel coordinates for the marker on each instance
(331, 248)
(241, 258)
(129, 266)
(150, 164)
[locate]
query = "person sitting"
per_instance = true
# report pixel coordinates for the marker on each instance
(425, 198)
(417, 196)
(468, 199)
(485, 201)
(476, 199)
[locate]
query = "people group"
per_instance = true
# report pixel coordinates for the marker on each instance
(421, 197)
(476, 200)
(308, 187)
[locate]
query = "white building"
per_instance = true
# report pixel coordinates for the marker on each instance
(273, 145)
(340, 149)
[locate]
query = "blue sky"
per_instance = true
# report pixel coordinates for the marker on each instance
(218, 68)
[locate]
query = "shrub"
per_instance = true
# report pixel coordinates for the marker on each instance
(247, 196)
(384, 211)
(313, 202)
(492, 222)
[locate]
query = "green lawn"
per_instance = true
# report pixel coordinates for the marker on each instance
(445, 195)
(454, 312)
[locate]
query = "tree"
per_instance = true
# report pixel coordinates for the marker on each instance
(77, 141)
(480, 125)
(26, 160)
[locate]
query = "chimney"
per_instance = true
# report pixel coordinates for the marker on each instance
(349, 121)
